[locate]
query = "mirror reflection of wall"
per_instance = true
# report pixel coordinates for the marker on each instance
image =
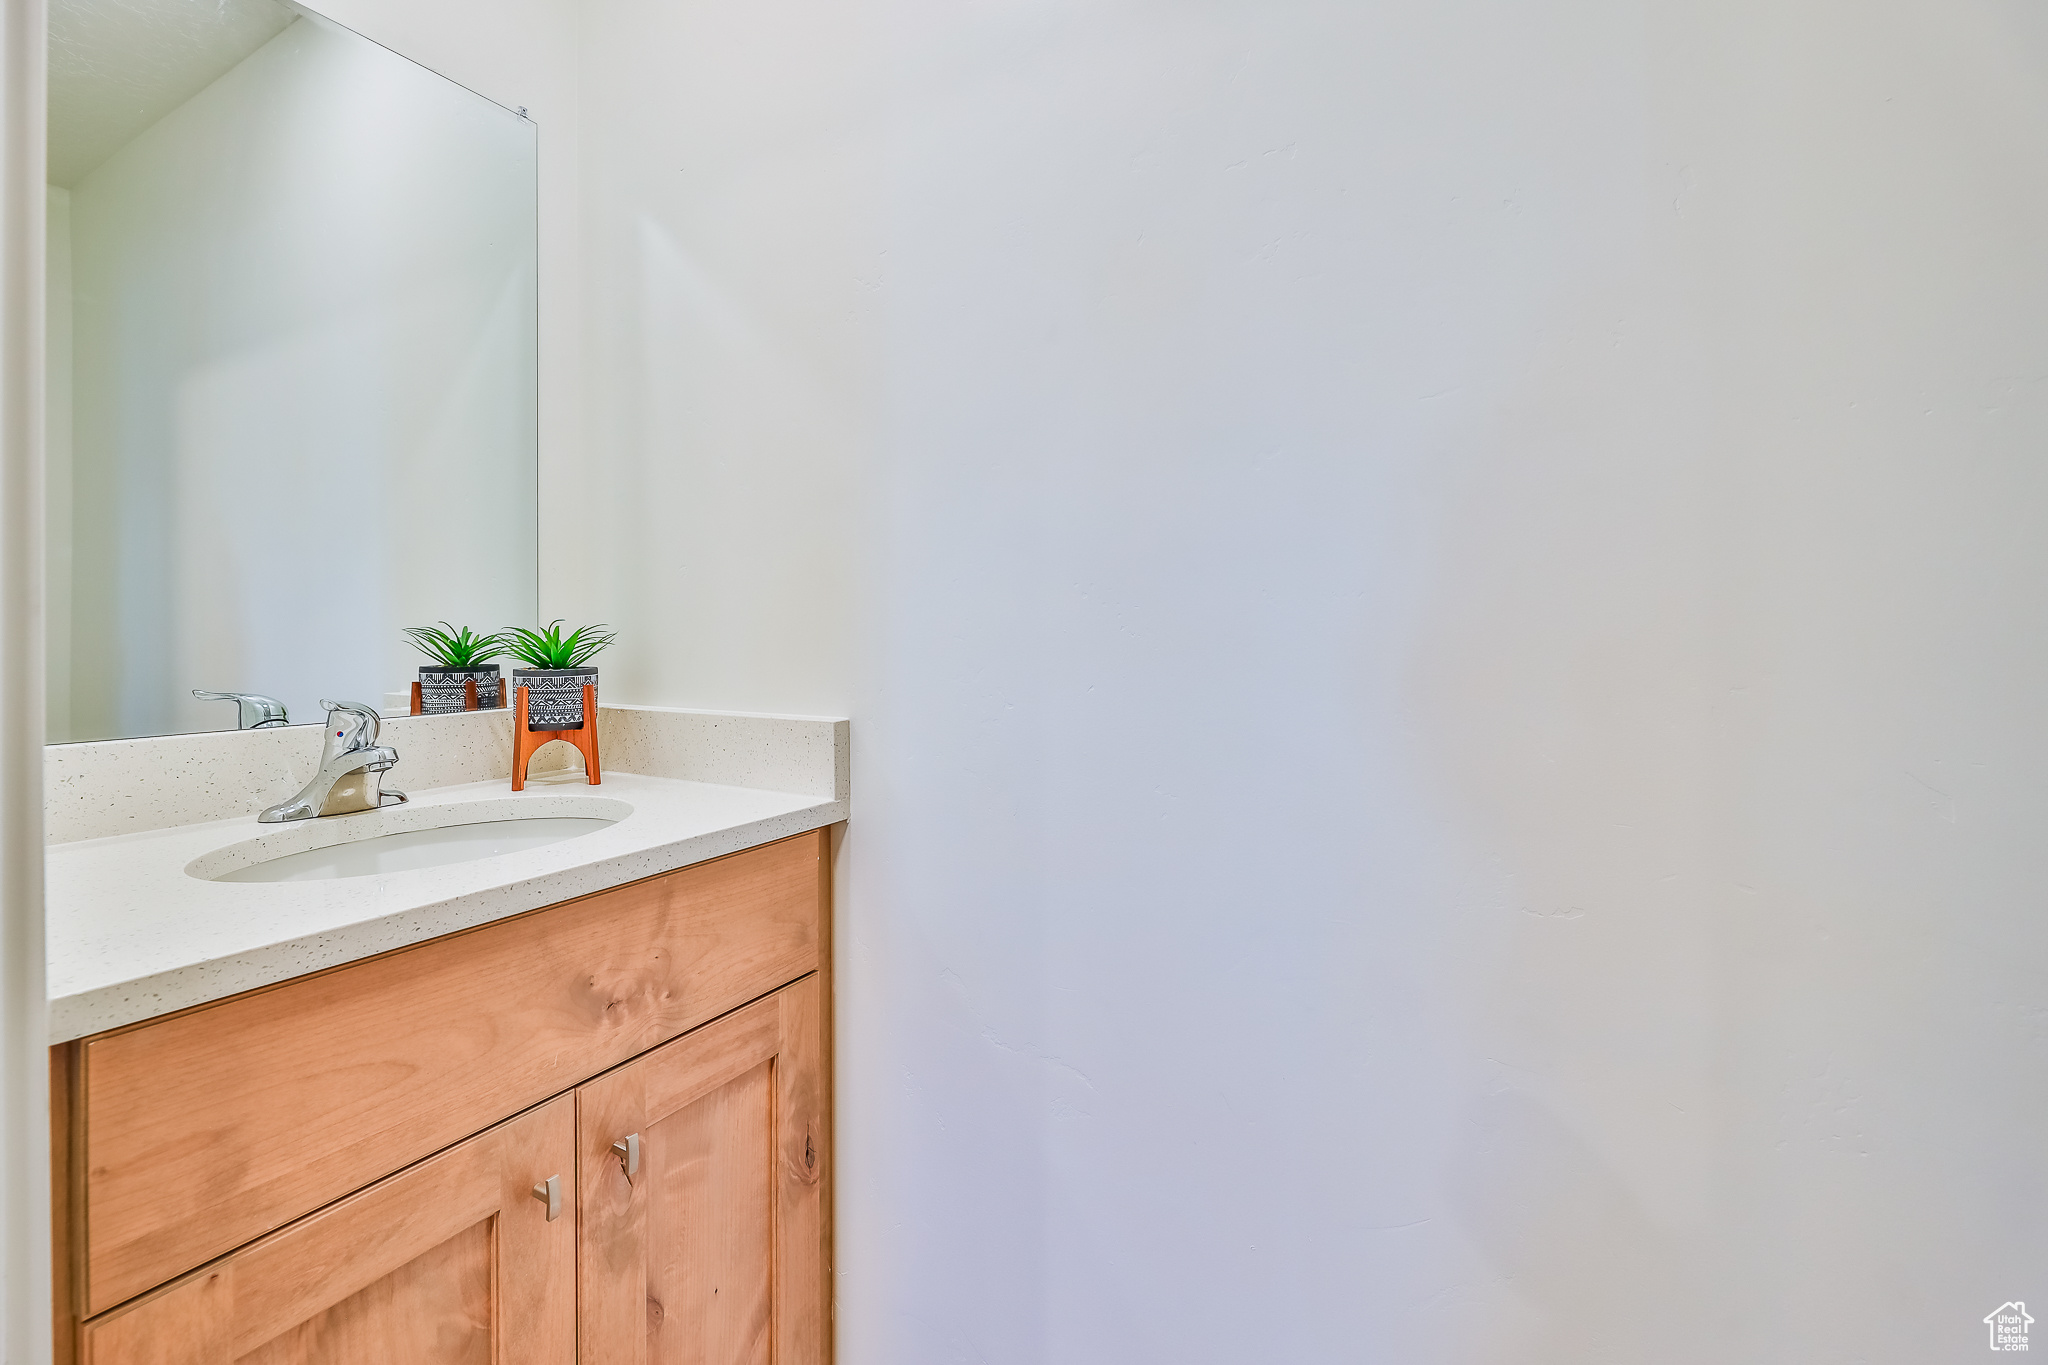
(292, 362)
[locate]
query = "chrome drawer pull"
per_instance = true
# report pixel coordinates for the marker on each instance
(549, 1192)
(629, 1152)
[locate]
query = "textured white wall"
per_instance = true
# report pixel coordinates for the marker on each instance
(1446, 612)
(24, 1036)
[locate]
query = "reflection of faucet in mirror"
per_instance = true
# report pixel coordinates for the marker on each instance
(254, 711)
(352, 768)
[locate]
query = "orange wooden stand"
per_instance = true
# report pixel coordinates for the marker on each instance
(526, 743)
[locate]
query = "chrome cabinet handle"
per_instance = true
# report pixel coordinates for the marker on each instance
(628, 1149)
(549, 1192)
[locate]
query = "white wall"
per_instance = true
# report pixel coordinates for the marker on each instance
(1447, 618)
(303, 359)
(24, 1035)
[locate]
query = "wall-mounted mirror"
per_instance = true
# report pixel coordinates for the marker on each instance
(292, 363)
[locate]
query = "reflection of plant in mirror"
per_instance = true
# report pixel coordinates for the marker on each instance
(452, 648)
(550, 648)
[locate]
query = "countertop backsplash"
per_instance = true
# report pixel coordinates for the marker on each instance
(126, 786)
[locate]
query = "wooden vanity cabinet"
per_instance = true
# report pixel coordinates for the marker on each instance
(341, 1170)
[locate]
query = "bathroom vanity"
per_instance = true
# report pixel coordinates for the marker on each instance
(596, 1130)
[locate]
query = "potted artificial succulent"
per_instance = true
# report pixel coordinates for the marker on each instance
(555, 673)
(459, 656)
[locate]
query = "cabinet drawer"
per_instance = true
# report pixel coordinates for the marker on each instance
(211, 1128)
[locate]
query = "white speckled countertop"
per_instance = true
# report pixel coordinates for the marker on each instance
(132, 933)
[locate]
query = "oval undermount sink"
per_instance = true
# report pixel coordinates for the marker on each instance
(417, 848)
(406, 839)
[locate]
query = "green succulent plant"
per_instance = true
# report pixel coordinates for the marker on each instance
(550, 648)
(452, 648)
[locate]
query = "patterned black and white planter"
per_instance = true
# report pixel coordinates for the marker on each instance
(554, 696)
(441, 688)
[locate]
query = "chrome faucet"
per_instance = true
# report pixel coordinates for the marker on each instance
(253, 710)
(352, 768)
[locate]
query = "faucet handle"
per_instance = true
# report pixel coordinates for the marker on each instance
(253, 710)
(350, 726)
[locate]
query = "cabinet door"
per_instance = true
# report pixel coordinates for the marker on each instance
(715, 1250)
(453, 1262)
